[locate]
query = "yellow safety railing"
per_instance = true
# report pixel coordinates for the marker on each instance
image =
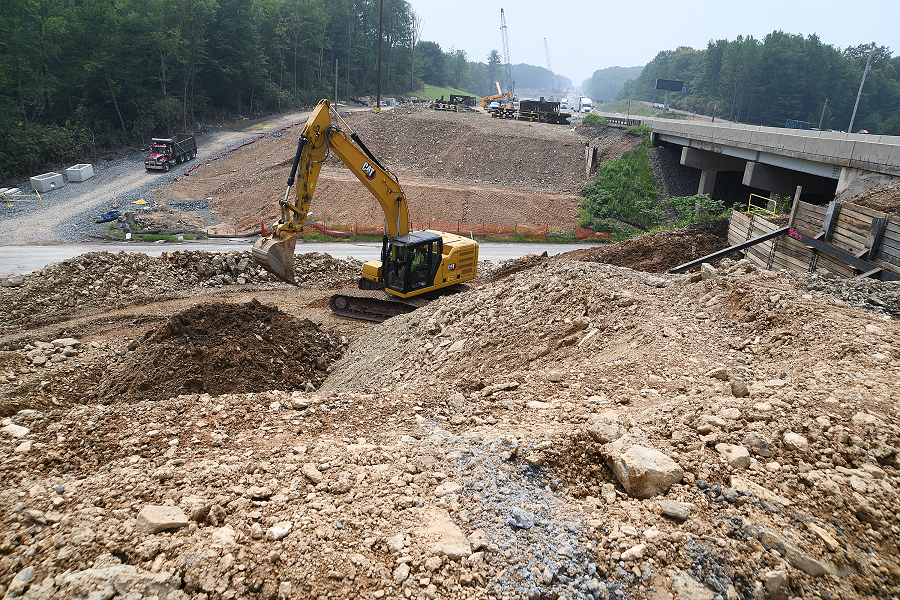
(12, 198)
(771, 206)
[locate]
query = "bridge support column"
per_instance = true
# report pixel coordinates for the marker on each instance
(709, 163)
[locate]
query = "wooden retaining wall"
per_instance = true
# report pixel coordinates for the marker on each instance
(853, 228)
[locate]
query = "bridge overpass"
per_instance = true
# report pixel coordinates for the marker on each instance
(777, 160)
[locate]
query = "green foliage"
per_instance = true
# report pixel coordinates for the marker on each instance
(623, 190)
(604, 84)
(695, 209)
(621, 106)
(783, 76)
(643, 130)
(430, 92)
(594, 119)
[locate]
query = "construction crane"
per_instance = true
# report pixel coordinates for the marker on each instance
(510, 84)
(554, 81)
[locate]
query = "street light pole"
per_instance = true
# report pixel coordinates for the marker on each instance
(861, 84)
(823, 114)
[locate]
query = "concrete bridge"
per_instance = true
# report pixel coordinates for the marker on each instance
(777, 160)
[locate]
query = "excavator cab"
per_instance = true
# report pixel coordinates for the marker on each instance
(410, 262)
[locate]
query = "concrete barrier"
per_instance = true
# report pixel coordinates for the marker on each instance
(47, 182)
(79, 173)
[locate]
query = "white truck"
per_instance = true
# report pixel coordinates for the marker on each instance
(585, 105)
(564, 103)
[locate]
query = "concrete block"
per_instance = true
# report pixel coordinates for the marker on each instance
(80, 172)
(47, 182)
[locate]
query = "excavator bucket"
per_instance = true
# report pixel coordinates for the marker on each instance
(276, 256)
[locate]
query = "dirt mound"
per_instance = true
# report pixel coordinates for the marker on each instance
(885, 198)
(658, 252)
(453, 167)
(104, 280)
(223, 348)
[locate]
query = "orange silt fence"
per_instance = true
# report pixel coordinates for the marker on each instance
(475, 230)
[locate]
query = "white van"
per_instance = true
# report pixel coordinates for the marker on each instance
(586, 105)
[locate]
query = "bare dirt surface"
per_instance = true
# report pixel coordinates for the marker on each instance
(220, 348)
(454, 167)
(565, 429)
(661, 251)
(885, 198)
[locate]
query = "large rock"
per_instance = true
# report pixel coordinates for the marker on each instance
(686, 587)
(440, 534)
(737, 457)
(120, 581)
(153, 519)
(643, 472)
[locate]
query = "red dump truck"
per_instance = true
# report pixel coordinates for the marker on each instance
(165, 153)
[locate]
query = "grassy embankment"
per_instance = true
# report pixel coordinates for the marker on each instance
(623, 201)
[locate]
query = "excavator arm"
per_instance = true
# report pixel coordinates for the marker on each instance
(320, 137)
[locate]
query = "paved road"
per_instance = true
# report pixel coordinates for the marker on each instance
(25, 259)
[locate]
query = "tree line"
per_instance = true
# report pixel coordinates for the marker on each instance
(81, 76)
(783, 76)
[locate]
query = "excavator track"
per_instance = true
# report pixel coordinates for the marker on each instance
(378, 305)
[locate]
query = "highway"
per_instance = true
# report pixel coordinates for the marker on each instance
(18, 260)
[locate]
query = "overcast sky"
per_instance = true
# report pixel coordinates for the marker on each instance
(586, 36)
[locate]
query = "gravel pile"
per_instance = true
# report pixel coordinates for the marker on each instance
(102, 280)
(574, 429)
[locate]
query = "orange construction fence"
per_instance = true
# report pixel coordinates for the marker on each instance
(475, 230)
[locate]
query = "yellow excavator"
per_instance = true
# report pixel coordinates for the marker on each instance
(414, 267)
(499, 97)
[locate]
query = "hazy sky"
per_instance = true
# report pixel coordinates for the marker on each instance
(586, 36)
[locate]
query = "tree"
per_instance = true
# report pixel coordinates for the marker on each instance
(493, 66)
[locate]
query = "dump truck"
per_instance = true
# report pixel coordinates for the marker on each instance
(165, 153)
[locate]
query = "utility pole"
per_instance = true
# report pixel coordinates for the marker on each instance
(822, 118)
(380, 23)
(861, 84)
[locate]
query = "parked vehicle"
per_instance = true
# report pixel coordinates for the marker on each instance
(165, 153)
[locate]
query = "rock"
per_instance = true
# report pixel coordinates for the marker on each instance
(796, 442)
(260, 492)
(795, 557)
(448, 487)
(739, 388)
(310, 471)
(707, 271)
(397, 543)
(401, 573)
(122, 581)
(635, 552)
(775, 582)
(19, 583)
(604, 431)
(830, 543)
(506, 446)
(24, 447)
(520, 519)
(732, 414)
(686, 587)
(15, 430)
(195, 508)
(63, 342)
(656, 282)
(746, 486)
(153, 519)
(737, 457)
(718, 373)
(13, 281)
(608, 493)
(279, 531)
(642, 471)
(284, 590)
(680, 511)
(457, 346)
(440, 535)
(776, 383)
(758, 445)
(862, 418)
(478, 539)
(555, 376)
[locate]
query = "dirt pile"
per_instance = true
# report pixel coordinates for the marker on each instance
(658, 252)
(885, 198)
(105, 280)
(223, 348)
(464, 451)
(453, 167)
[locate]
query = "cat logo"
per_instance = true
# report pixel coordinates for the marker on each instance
(451, 267)
(369, 170)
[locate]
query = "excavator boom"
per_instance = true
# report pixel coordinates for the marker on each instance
(413, 266)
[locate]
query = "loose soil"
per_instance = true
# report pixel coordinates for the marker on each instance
(463, 167)
(223, 348)
(661, 251)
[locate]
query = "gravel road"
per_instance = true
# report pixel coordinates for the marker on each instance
(68, 213)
